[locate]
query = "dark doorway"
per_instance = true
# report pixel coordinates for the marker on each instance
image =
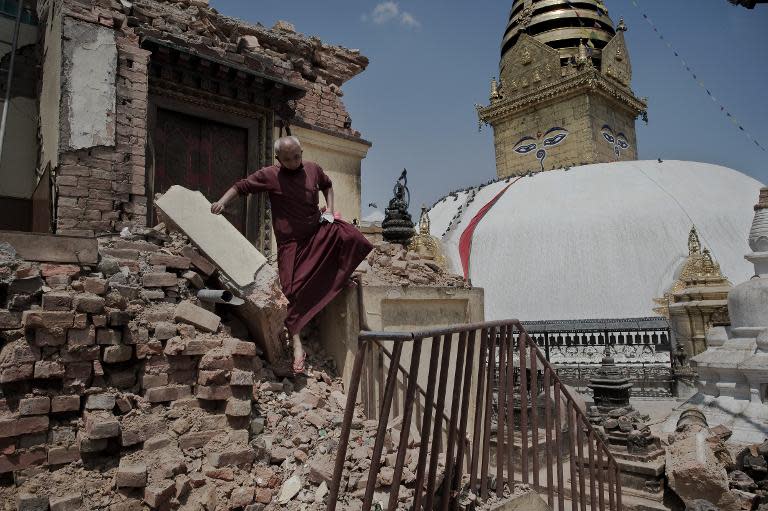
(200, 154)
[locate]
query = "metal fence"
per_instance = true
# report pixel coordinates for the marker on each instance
(538, 437)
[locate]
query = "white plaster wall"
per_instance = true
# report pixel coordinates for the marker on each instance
(89, 91)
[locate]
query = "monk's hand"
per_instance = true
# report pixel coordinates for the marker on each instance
(326, 217)
(217, 208)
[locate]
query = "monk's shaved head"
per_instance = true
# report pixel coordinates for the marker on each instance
(288, 152)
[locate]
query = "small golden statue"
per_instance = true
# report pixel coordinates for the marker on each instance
(495, 92)
(426, 245)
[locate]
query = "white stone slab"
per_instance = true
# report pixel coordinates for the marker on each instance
(216, 238)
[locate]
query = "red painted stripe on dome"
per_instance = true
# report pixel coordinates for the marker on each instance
(465, 242)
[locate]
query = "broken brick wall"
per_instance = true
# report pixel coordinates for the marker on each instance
(100, 171)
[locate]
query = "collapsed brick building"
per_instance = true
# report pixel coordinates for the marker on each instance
(135, 96)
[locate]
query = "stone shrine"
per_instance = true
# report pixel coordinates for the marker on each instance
(733, 371)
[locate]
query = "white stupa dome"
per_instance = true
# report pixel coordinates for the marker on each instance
(596, 241)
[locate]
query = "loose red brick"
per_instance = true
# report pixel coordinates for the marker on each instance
(88, 302)
(109, 336)
(167, 393)
(240, 348)
(9, 320)
(213, 392)
(57, 301)
(116, 354)
(44, 337)
(23, 460)
(160, 279)
(67, 502)
(196, 439)
(23, 425)
(95, 286)
(34, 405)
(201, 263)
(169, 261)
(65, 404)
(100, 425)
(50, 270)
(47, 319)
(46, 369)
(187, 312)
(60, 455)
(78, 337)
(131, 475)
(158, 494)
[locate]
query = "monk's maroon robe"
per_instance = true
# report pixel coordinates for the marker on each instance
(314, 260)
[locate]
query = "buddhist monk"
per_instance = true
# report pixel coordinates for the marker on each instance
(316, 251)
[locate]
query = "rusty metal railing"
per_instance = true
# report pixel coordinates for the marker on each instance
(540, 438)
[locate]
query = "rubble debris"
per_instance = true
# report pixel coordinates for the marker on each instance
(390, 263)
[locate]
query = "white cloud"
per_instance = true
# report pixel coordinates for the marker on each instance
(384, 12)
(407, 19)
(388, 11)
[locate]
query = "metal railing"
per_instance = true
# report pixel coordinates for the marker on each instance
(540, 438)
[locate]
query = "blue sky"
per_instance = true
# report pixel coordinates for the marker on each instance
(431, 61)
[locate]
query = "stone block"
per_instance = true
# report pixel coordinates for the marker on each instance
(52, 248)
(238, 407)
(158, 442)
(65, 404)
(194, 347)
(60, 455)
(118, 318)
(100, 402)
(165, 330)
(9, 320)
(78, 337)
(117, 354)
(201, 263)
(240, 348)
(149, 381)
(167, 393)
(48, 369)
(160, 279)
(23, 425)
(216, 358)
(90, 303)
(95, 286)
(169, 261)
(57, 301)
(194, 279)
(159, 494)
(187, 312)
(91, 445)
(46, 338)
(240, 377)
(213, 392)
(47, 319)
(101, 425)
(197, 439)
(131, 475)
(34, 406)
(27, 502)
(232, 457)
(71, 502)
(109, 336)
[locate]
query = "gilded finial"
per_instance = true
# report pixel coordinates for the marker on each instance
(424, 220)
(694, 245)
(622, 26)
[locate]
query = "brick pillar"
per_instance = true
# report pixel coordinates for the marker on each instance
(102, 188)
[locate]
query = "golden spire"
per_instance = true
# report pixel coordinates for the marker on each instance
(495, 94)
(694, 245)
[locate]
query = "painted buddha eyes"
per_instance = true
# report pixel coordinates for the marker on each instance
(525, 148)
(622, 143)
(555, 140)
(619, 142)
(609, 138)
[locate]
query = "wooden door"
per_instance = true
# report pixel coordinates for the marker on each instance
(203, 155)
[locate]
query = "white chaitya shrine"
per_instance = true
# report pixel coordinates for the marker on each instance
(733, 371)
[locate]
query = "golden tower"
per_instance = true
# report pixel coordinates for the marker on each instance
(563, 97)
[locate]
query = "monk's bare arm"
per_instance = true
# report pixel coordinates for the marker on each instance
(218, 207)
(328, 194)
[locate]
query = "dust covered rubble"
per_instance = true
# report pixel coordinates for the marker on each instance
(390, 263)
(121, 391)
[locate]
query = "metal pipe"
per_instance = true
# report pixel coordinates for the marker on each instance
(219, 296)
(9, 83)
